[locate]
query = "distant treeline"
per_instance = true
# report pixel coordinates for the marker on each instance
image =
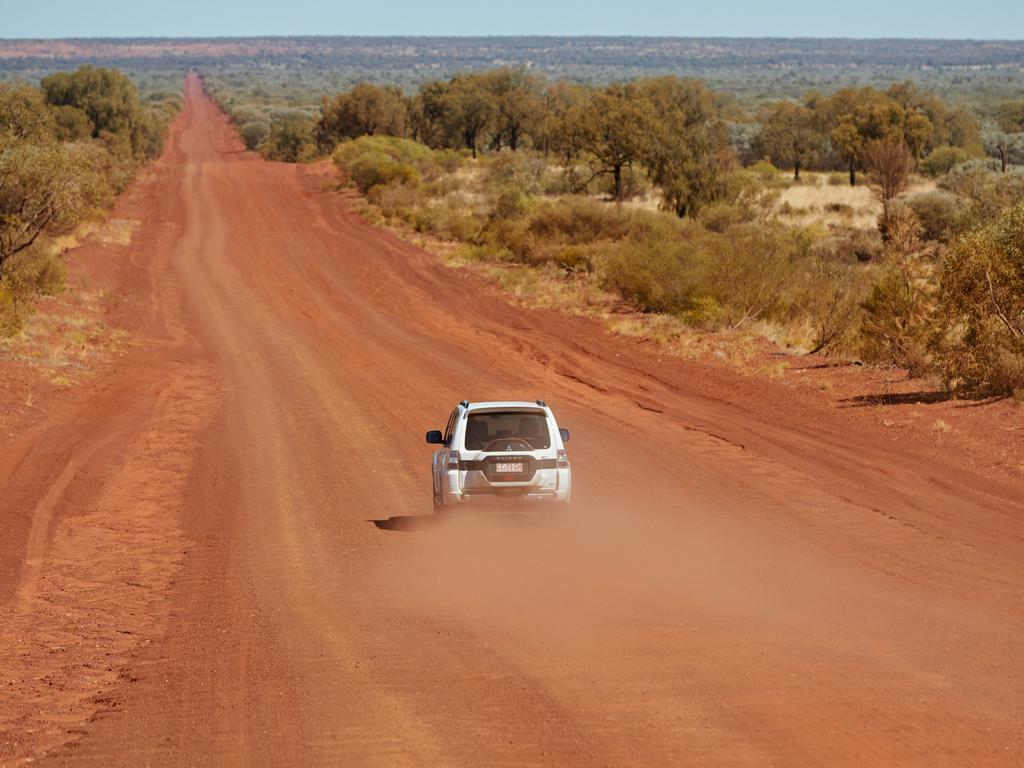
(683, 135)
(751, 68)
(66, 149)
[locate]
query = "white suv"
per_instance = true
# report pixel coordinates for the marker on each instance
(500, 449)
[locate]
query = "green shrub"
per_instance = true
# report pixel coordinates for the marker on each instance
(655, 277)
(747, 272)
(371, 161)
(942, 160)
(578, 220)
(765, 171)
(253, 132)
(290, 139)
(374, 170)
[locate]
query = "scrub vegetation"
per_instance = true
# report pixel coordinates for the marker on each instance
(876, 224)
(67, 148)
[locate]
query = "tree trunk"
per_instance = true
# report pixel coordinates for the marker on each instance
(796, 170)
(618, 183)
(853, 174)
(1004, 152)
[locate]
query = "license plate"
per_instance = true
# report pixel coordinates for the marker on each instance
(509, 467)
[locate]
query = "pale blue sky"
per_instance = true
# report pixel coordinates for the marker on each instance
(990, 19)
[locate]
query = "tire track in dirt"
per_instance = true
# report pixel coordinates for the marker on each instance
(96, 578)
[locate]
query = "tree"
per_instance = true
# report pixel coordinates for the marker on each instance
(1010, 125)
(890, 165)
(610, 131)
(24, 115)
(110, 101)
(71, 123)
(518, 105)
(852, 117)
(366, 110)
(790, 136)
(556, 100)
(469, 109)
(848, 144)
(291, 139)
(688, 149)
(427, 114)
(45, 189)
(917, 132)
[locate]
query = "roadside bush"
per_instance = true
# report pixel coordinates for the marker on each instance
(71, 123)
(937, 212)
(290, 139)
(372, 161)
(982, 301)
(829, 294)
(747, 273)
(110, 101)
(578, 220)
(253, 132)
(899, 310)
(653, 276)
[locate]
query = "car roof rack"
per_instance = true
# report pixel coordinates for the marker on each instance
(542, 404)
(464, 403)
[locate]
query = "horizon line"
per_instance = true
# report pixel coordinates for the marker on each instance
(155, 38)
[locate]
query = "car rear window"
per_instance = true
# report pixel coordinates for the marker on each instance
(484, 428)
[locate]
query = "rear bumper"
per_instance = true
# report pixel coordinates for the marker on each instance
(547, 485)
(502, 496)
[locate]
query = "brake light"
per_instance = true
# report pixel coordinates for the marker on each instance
(562, 459)
(453, 460)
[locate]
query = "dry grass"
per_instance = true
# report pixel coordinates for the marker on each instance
(67, 337)
(815, 200)
(546, 288)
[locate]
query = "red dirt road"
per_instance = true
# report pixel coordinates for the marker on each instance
(224, 554)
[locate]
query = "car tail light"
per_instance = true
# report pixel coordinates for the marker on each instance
(453, 460)
(562, 460)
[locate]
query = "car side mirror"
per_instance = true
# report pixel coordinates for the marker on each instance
(434, 437)
(565, 435)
